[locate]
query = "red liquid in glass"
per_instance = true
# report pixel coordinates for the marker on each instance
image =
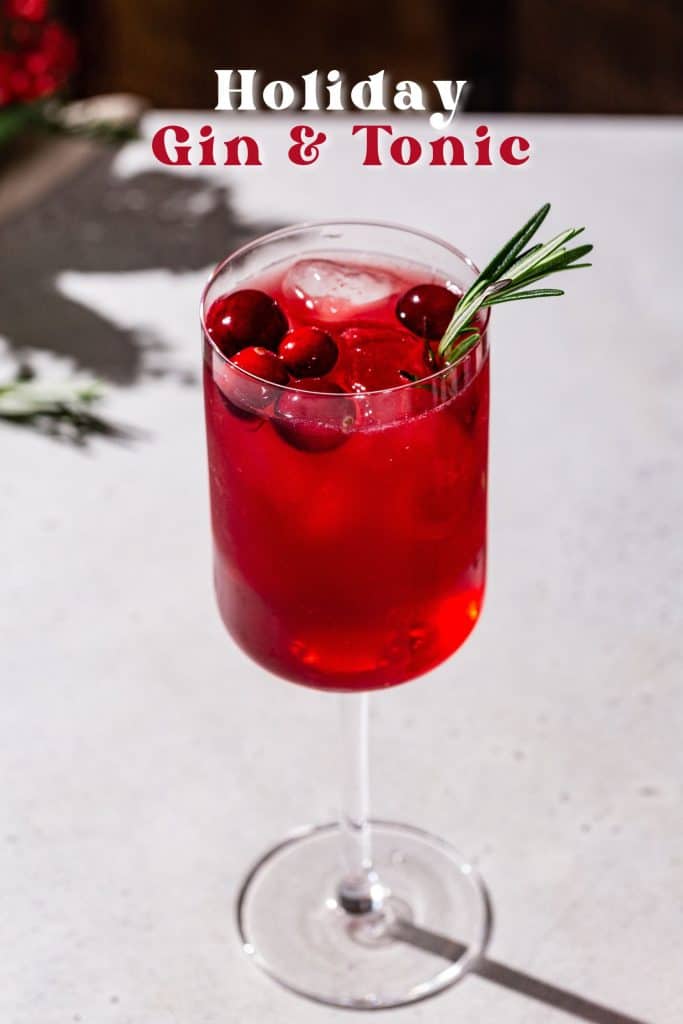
(362, 565)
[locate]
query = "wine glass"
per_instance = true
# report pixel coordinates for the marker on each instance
(349, 535)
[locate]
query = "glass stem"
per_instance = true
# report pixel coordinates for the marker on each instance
(360, 890)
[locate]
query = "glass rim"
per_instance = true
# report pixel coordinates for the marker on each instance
(272, 236)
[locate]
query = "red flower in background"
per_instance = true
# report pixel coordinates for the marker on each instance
(37, 54)
(29, 10)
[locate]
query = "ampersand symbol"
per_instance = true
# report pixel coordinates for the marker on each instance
(307, 143)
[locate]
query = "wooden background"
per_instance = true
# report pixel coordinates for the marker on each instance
(570, 56)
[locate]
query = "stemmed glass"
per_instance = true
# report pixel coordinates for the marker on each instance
(349, 555)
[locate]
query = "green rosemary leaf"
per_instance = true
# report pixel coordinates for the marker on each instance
(555, 266)
(552, 249)
(537, 293)
(508, 254)
(464, 344)
(530, 250)
(559, 257)
(568, 256)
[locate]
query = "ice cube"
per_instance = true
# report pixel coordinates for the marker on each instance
(333, 291)
(375, 358)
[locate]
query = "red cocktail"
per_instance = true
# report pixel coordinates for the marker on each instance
(349, 530)
(348, 472)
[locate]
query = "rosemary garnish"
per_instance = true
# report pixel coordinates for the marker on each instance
(506, 278)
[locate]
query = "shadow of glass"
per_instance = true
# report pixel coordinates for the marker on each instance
(517, 981)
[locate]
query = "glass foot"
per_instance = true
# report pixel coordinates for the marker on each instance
(434, 924)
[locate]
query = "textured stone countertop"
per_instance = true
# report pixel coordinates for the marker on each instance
(145, 762)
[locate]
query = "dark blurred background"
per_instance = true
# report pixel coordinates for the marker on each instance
(559, 56)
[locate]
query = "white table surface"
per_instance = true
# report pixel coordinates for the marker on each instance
(145, 762)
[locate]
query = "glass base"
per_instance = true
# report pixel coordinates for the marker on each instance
(434, 924)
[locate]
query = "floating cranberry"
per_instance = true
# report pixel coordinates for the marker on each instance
(250, 394)
(315, 417)
(263, 363)
(308, 352)
(246, 317)
(427, 310)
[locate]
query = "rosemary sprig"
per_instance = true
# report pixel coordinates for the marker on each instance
(60, 408)
(25, 397)
(507, 277)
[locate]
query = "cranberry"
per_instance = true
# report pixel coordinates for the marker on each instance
(308, 352)
(250, 394)
(427, 310)
(246, 317)
(314, 418)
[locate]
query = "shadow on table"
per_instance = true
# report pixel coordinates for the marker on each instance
(97, 222)
(517, 981)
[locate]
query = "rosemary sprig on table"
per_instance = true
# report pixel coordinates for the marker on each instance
(25, 397)
(62, 408)
(507, 277)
